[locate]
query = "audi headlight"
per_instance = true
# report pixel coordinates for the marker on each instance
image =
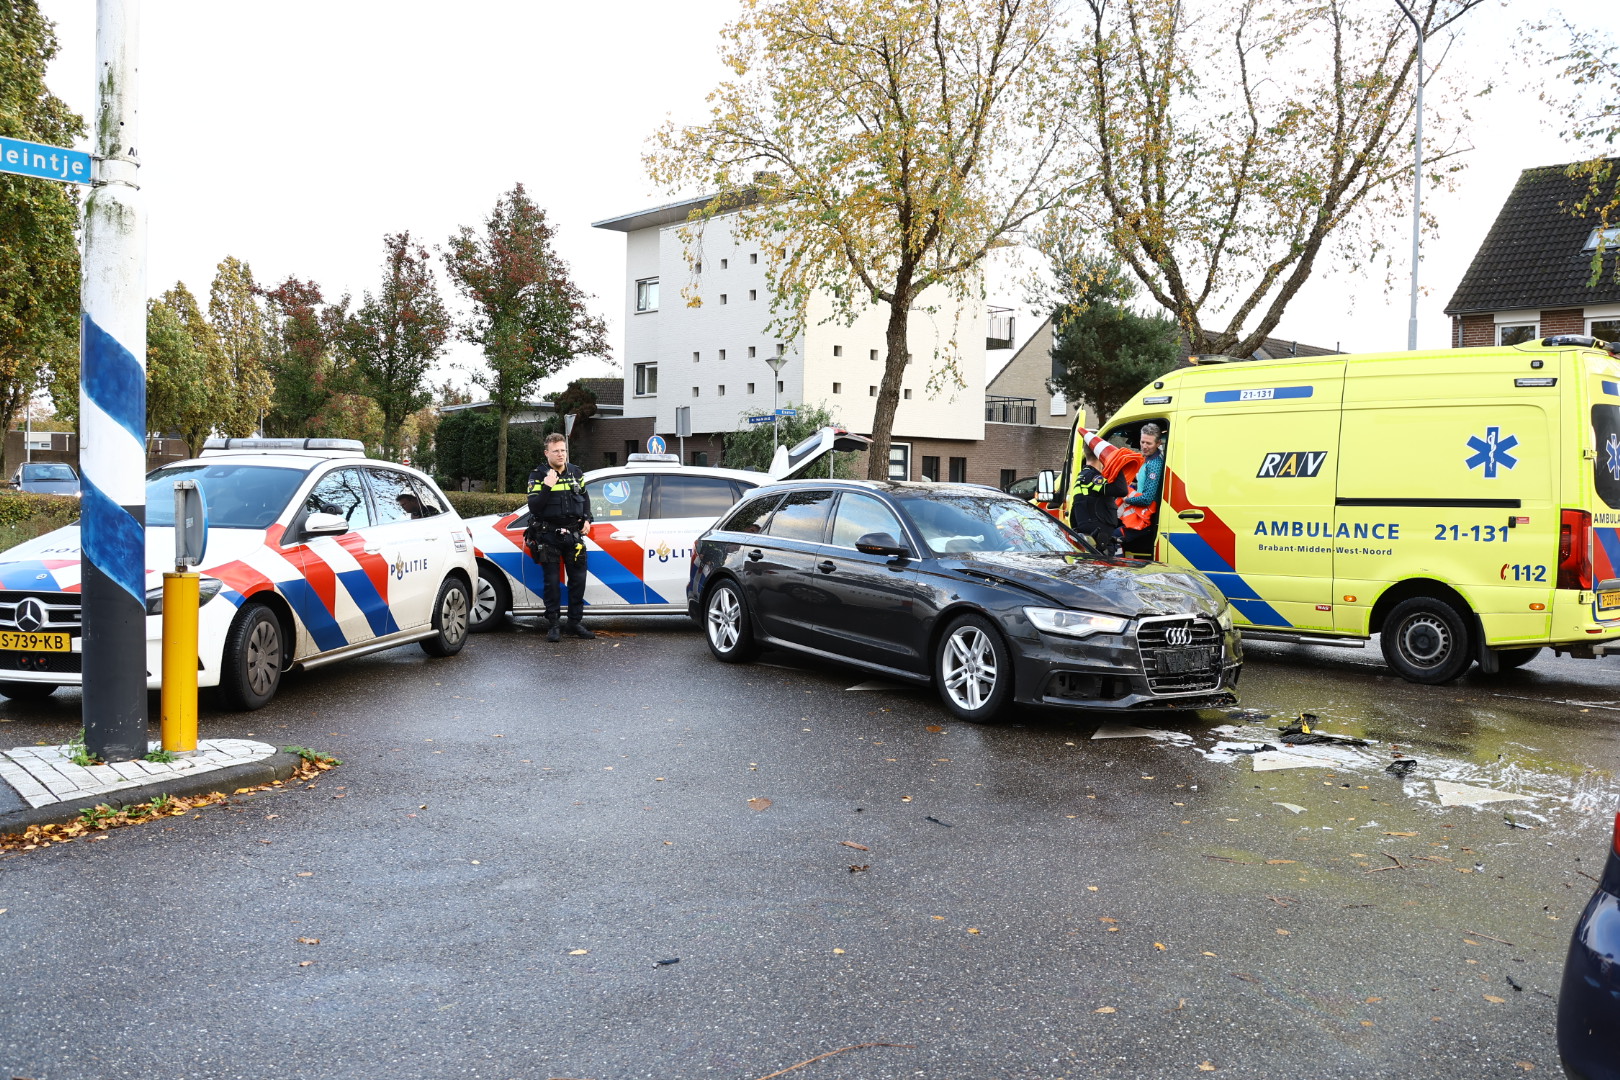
(1225, 617)
(207, 589)
(1074, 623)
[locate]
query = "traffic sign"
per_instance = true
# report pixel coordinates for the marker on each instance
(656, 445)
(787, 412)
(760, 419)
(48, 162)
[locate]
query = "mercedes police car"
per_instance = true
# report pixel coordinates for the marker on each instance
(646, 514)
(314, 553)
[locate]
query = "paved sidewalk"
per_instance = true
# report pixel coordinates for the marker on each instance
(40, 784)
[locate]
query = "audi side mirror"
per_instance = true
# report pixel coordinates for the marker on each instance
(325, 525)
(882, 543)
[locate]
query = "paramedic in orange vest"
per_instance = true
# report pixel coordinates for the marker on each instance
(1144, 471)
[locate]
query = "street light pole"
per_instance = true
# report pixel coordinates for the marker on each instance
(776, 363)
(1417, 178)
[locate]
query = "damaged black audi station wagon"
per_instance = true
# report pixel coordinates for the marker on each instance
(980, 593)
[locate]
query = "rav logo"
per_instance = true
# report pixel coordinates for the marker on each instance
(401, 567)
(1293, 463)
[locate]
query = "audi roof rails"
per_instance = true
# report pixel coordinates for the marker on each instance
(333, 447)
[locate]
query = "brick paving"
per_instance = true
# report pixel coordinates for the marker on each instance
(43, 775)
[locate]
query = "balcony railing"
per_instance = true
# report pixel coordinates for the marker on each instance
(1009, 410)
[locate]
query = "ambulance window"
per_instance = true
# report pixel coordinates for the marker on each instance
(693, 496)
(617, 498)
(1606, 441)
(340, 492)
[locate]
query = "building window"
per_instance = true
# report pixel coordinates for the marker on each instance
(722, 390)
(1604, 329)
(930, 467)
(838, 388)
(1515, 333)
(647, 294)
(630, 446)
(646, 380)
(750, 388)
(779, 348)
(906, 394)
(610, 458)
(1009, 477)
(1609, 237)
(753, 259)
(694, 391)
(871, 391)
(722, 354)
(899, 461)
(750, 352)
(724, 263)
(701, 457)
(958, 470)
(1059, 405)
(753, 294)
(838, 350)
(872, 354)
(696, 357)
(722, 298)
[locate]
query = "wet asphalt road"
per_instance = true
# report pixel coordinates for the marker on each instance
(519, 834)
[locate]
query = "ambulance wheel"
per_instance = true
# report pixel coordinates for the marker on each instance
(1426, 641)
(451, 615)
(726, 625)
(1506, 658)
(492, 599)
(27, 691)
(250, 669)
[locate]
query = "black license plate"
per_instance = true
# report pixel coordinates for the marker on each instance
(1181, 661)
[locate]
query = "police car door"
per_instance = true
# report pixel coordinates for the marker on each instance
(683, 507)
(618, 541)
(332, 592)
(1249, 497)
(397, 549)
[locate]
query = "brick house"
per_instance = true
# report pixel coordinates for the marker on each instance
(1530, 277)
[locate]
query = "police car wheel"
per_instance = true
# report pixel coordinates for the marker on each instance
(250, 670)
(491, 601)
(451, 618)
(726, 625)
(973, 670)
(27, 691)
(1426, 641)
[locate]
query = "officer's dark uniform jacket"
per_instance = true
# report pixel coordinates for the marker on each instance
(1092, 511)
(562, 505)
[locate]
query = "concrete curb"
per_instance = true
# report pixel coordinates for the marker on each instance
(277, 766)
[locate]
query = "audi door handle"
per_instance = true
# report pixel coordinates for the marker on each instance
(826, 566)
(756, 555)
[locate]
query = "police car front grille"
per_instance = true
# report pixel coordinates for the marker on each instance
(61, 611)
(1160, 640)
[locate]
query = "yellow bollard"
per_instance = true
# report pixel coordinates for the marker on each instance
(180, 662)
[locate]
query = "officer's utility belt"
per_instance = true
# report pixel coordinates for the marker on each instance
(547, 542)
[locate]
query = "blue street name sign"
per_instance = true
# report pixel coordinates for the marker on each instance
(47, 162)
(787, 412)
(656, 445)
(760, 419)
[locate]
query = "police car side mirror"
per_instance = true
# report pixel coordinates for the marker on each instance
(1045, 485)
(881, 543)
(325, 525)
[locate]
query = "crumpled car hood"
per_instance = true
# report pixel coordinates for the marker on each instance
(1109, 586)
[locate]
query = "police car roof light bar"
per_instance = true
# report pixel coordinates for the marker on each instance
(1581, 341)
(348, 446)
(657, 459)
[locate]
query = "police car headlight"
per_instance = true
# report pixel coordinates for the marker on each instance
(1074, 623)
(207, 589)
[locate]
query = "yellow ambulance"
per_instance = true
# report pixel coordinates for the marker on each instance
(1464, 504)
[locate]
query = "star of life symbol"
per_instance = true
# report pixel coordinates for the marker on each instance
(1492, 451)
(1613, 446)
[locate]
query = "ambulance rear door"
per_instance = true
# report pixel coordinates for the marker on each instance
(1249, 499)
(1449, 471)
(1596, 479)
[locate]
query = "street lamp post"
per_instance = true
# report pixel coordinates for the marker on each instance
(1417, 177)
(776, 362)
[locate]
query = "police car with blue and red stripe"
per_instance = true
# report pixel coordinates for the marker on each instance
(314, 554)
(645, 517)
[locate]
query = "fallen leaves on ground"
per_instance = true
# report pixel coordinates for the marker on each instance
(1494, 1000)
(1106, 1009)
(759, 803)
(309, 941)
(853, 844)
(1205, 1066)
(578, 952)
(935, 728)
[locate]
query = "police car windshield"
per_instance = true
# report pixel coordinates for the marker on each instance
(957, 524)
(236, 496)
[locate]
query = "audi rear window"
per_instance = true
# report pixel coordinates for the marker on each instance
(750, 516)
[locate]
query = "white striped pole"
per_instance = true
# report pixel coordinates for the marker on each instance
(112, 405)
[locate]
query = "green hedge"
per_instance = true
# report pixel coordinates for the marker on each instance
(50, 511)
(471, 504)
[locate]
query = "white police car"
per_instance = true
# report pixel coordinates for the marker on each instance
(314, 554)
(646, 515)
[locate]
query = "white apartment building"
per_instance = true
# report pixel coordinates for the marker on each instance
(712, 356)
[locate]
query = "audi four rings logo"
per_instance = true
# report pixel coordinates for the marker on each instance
(1178, 635)
(30, 615)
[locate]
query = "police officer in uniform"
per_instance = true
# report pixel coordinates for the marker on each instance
(561, 513)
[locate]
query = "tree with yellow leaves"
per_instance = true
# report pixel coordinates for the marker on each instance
(875, 150)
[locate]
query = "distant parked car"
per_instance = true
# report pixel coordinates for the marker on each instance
(46, 478)
(1589, 1001)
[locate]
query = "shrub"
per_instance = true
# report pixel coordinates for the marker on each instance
(24, 507)
(471, 504)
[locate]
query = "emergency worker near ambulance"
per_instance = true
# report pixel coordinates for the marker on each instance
(1143, 472)
(561, 512)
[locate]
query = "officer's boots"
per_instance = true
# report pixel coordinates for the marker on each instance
(555, 633)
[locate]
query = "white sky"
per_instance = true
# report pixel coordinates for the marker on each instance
(295, 135)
